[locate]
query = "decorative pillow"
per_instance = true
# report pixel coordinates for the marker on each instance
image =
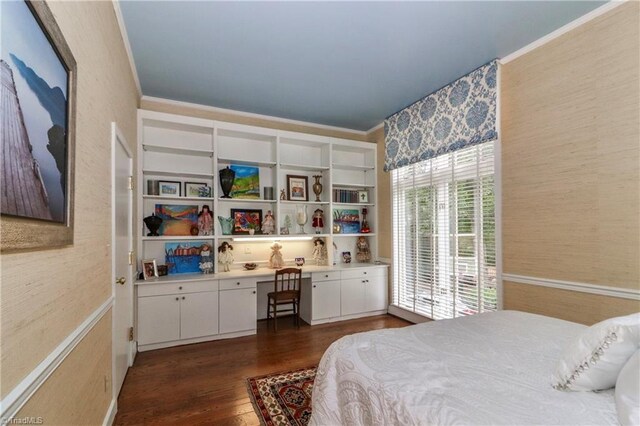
(594, 360)
(628, 392)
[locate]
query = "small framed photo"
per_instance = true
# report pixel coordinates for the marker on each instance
(197, 189)
(346, 256)
(246, 221)
(149, 269)
(363, 196)
(297, 188)
(168, 188)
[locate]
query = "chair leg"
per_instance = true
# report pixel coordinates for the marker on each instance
(297, 313)
(275, 317)
(268, 312)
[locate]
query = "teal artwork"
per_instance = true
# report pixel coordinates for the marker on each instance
(182, 257)
(247, 182)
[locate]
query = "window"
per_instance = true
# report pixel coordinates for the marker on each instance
(444, 234)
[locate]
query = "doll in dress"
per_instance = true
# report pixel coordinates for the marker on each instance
(206, 259)
(276, 261)
(317, 221)
(363, 253)
(319, 252)
(225, 255)
(205, 221)
(268, 224)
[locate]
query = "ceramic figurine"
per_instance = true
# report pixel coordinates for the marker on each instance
(287, 224)
(225, 256)
(153, 223)
(364, 228)
(363, 254)
(317, 187)
(206, 259)
(226, 224)
(317, 221)
(319, 252)
(283, 195)
(227, 176)
(276, 261)
(205, 221)
(268, 223)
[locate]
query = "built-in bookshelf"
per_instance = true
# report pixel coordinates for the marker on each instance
(179, 150)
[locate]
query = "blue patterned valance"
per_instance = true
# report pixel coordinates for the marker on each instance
(456, 116)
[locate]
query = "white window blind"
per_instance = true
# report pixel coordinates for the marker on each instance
(444, 234)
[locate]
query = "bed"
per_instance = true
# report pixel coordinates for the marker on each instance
(492, 368)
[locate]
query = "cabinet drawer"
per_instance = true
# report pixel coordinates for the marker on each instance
(232, 284)
(176, 288)
(325, 276)
(362, 273)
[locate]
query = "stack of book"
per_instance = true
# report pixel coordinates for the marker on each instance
(345, 196)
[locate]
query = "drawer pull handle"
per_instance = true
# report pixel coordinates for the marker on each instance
(365, 273)
(314, 286)
(326, 276)
(254, 292)
(180, 288)
(238, 283)
(177, 298)
(182, 297)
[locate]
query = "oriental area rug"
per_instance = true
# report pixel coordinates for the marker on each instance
(283, 399)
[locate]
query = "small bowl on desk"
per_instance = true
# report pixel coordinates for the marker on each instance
(250, 266)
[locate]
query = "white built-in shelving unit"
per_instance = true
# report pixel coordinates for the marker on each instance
(187, 149)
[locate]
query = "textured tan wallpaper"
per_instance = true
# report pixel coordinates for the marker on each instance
(571, 158)
(383, 198)
(45, 295)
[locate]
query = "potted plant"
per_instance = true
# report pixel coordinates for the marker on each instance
(252, 227)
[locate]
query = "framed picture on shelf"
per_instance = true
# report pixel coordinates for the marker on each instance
(246, 184)
(177, 219)
(363, 196)
(39, 73)
(182, 257)
(246, 220)
(197, 189)
(149, 269)
(297, 188)
(169, 188)
(347, 220)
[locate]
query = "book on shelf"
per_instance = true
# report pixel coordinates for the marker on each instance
(346, 196)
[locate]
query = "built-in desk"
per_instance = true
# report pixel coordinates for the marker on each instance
(189, 308)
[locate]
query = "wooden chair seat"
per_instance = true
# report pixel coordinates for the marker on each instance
(286, 291)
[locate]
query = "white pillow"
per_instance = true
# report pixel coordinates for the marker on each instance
(628, 392)
(594, 360)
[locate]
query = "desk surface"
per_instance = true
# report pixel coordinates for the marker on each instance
(260, 272)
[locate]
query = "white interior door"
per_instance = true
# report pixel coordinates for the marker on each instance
(122, 200)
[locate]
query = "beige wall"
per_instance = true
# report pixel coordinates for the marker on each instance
(383, 197)
(46, 294)
(571, 164)
(194, 111)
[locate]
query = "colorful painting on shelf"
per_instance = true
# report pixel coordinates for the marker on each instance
(346, 220)
(182, 257)
(177, 220)
(247, 182)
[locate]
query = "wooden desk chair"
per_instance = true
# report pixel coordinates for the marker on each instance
(286, 291)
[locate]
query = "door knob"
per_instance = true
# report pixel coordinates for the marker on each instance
(121, 280)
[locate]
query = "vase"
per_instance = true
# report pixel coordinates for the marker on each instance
(226, 224)
(317, 187)
(227, 176)
(301, 217)
(153, 223)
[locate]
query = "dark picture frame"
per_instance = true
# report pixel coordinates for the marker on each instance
(297, 188)
(51, 223)
(162, 184)
(197, 186)
(242, 218)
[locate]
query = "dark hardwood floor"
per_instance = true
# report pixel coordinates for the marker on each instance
(204, 383)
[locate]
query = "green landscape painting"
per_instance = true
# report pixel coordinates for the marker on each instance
(247, 182)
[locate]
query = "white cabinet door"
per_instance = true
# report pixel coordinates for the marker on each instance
(325, 299)
(158, 319)
(238, 310)
(376, 293)
(352, 296)
(198, 314)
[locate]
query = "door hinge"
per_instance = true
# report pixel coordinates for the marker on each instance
(130, 182)
(131, 334)
(130, 258)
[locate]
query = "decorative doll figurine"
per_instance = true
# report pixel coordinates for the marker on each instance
(283, 196)
(205, 221)
(317, 221)
(363, 254)
(319, 252)
(268, 224)
(206, 259)
(225, 255)
(276, 261)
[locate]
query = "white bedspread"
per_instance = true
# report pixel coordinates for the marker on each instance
(492, 368)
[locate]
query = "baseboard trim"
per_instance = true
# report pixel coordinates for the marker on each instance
(19, 395)
(111, 413)
(399, 312)
(623, 293)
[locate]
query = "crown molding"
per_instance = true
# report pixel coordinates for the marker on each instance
(127, 45)
(563, 30)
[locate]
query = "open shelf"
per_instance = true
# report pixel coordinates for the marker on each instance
(177, 174)
(352, 185)
(309, 168)
(179, 151)
(370, 234)
(178, 238)
(160, 197)
(352, 167)
(245, 200)
(353, 204)
(315, 203)
(247, 163)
